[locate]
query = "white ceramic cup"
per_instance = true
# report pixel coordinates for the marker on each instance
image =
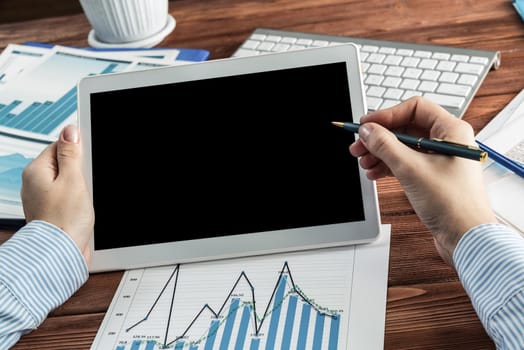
(123, 21)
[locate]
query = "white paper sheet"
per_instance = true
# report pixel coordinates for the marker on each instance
(334, 298)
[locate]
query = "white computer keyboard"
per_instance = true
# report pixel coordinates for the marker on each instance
(395, 71)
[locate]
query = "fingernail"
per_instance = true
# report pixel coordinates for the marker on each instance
(363, 132)
(70, 134)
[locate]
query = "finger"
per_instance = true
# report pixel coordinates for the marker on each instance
(369, 161)
(379, 171)
(357, 149)
(382, 144)
(69, 152)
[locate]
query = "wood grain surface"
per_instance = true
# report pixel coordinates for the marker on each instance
(427, 307)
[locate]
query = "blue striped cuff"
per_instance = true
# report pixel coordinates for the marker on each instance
(42, 267)
(490, 263)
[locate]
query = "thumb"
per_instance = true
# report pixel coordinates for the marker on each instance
(384, 145)
(69, 151)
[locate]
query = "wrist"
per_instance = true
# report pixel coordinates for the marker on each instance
(447, 239)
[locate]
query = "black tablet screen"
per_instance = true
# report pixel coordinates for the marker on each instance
(223, 156)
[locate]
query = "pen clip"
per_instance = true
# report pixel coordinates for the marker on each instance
(457, 144)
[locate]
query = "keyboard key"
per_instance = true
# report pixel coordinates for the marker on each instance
(393, 60)
(410, 62)
(266, 46)
(288, 40)
(448, 77)
(369, 48)
(393, 94)
(373, 103)
(409, 84)
(410, 93)
(446, 66)
(412, 73)
(404, 52)
(375, 91)
(427, 63)
(469, 68)
(441, 56)
(259, 37)
(479, 60)
(427, 86)
(374, 79)
(459, 58)
(245, 53)
(387, 50)
(430, 75)
(422, 54)
(377, 69)
(376, 58)
(394, 71)
(446, 100)
(305, 42)
(273, 38)
(391, 82)
(467, 79)
(251, 44)
(281, 47)
(454, 89)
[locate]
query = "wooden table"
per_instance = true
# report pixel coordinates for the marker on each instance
(427, 307)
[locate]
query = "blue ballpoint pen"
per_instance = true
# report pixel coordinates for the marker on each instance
(502, 159)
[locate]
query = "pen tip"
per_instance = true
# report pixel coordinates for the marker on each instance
(340, 124)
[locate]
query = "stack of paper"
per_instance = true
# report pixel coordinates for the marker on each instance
(38, 98)
(505, 134)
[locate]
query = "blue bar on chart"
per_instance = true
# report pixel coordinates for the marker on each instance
(28, 111)
(150, 345)
(242, 330)
(319, 331)
(40, 117)
(290, 319)
(44, 117)
(275, 315)
(24, 117)
(303, 327)
(255, 344)
(55, 114)
(228, 328)
(333, 332)
(211, 336)
(136, 345)
(5, 111)
(179, 345)
(120, 347)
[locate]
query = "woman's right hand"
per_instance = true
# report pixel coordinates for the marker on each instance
(446, 192)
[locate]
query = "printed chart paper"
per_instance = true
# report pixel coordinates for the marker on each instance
(298, 300)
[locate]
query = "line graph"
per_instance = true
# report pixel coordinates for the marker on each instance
(297, 301)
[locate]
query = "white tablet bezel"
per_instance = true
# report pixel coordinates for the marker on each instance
(242, 244)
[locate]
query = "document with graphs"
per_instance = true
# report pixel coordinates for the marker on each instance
(38, 97)
(331, 298)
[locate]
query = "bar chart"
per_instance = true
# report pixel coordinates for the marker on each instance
(42, 100)
(205, 306)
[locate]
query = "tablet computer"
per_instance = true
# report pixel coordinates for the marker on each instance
(225, 158)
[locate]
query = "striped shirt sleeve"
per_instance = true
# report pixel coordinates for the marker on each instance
(490, 263)
(40, 268)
